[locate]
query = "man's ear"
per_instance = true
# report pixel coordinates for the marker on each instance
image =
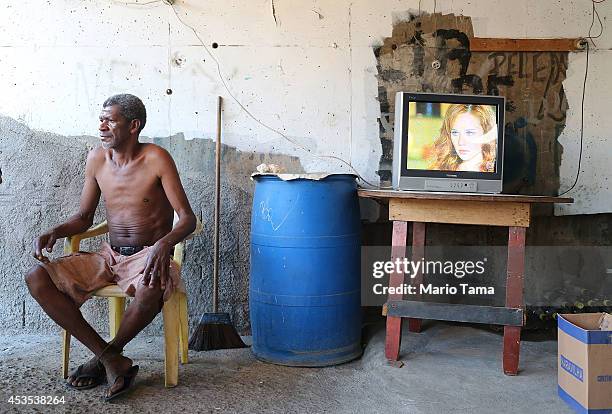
(135, 126)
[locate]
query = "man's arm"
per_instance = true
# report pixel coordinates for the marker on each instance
(171, 183)
(157, 265)
(82, 220)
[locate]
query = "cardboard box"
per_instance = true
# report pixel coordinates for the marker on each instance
(585, 363)
(606, 322)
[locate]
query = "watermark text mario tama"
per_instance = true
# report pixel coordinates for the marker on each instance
(465, 270)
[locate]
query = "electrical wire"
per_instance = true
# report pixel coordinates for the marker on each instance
(586, 72)
(133, 3)
(594, 14)
(253, 117)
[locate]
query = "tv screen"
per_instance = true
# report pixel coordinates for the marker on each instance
(444, 137)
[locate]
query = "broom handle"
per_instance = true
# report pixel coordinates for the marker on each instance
(217, 208)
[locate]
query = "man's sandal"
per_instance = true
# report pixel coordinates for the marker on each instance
(128, 382)
(96, 379)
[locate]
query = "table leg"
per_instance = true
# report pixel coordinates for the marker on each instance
(394, 324)
(514, 297)
(418, 253)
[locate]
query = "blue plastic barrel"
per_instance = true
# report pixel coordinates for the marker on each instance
(305, 267)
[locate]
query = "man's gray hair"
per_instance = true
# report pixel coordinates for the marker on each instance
(130, 106)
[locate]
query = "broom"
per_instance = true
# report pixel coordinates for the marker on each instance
(215, 330)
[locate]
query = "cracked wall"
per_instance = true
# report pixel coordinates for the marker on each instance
(306, 69)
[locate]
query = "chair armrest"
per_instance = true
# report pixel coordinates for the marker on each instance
(179, 249)
(72, 243)
(198, 230)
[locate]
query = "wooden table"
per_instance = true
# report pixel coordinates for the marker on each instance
(512, 211)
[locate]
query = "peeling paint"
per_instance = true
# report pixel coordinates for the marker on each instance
(430, 53)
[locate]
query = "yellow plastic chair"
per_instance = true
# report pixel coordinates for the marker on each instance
(174, 311)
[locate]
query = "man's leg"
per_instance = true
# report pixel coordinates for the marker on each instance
(66, 313)
(141, 312)
(62, 309)
(146, 305)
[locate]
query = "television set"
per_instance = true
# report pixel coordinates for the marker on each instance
(448, 142)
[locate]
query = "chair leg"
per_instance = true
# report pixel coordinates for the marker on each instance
(65, 353)
(184, 328)
(116, 307)
(170, 313)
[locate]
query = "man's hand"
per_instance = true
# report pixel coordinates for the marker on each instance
(45, 241)
(157, 267)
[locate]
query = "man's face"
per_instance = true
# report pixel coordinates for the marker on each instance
(115, 129)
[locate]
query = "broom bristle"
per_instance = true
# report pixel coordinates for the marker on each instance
(215, 333)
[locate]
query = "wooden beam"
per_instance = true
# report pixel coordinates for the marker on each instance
(438, 195)
(514, 297)
(455, 312)
(418, 252)
(487, 44)
(393, 339)
(460, 212)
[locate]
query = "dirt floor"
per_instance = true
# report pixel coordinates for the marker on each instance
(448, 369)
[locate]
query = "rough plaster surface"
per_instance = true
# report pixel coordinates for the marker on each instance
(42, 179)
(448, 369)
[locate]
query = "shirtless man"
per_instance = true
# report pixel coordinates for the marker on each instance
(141, 189)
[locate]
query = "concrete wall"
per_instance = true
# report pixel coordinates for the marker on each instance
(307, 69)
(41, 183)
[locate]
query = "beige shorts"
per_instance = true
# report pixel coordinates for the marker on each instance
(80, 274)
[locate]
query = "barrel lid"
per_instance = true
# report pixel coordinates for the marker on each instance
(302, 176)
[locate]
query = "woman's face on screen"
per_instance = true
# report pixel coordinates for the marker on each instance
(466, 135)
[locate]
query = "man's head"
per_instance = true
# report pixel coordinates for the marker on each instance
(122, 118)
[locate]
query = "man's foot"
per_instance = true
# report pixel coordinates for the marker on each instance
(86, 376)
(119, 372)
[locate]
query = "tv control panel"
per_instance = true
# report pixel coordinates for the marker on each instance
(451, 185)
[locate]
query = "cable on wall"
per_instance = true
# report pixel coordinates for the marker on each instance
(586, 72)
(594, 14)
(254, 118)
(226, 87)
(144, 3)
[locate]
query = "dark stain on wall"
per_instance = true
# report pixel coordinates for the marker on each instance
(531, 82)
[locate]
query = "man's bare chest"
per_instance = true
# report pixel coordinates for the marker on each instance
(128, 183)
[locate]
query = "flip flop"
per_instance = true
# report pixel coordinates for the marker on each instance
(79, 375)
(128, 382)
